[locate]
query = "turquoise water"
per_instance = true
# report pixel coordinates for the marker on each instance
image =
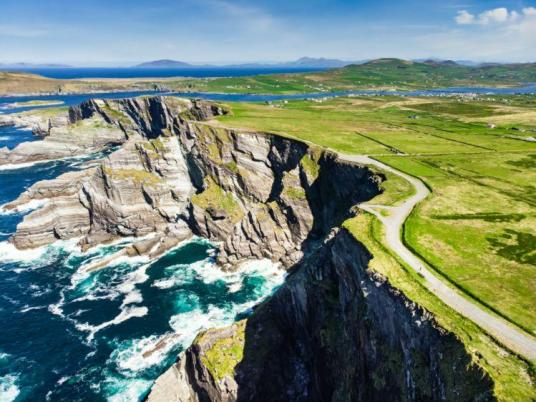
(72, 336)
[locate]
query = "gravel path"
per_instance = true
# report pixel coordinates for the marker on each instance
(516, 340)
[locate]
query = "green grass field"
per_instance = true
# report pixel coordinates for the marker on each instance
(478, 227)
(376, 74)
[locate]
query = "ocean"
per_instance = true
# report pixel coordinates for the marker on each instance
(72, 336)
(136, 72)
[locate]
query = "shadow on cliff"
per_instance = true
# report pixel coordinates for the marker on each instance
(335, 332)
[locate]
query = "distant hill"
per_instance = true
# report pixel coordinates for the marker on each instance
(304, 62)
(164, 63)
(317, 63)
(429, 73)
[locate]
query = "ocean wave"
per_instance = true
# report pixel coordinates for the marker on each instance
(119, 389)
(9, 253)
(189, 323)
(133, 356)
(8, 388)
(126, 314)
(24, 208)
(27, 308)
(76, 161)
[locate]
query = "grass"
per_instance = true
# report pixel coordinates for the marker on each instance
(225, 353)
(216, 198)
(140, 177)
(512, 376)
(478, 225)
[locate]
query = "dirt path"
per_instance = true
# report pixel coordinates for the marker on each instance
(516, 340)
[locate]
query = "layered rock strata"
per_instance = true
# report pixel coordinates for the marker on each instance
(258, 195)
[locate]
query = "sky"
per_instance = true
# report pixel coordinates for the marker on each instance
(124, 32)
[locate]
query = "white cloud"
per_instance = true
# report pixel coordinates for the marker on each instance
(529, 11)
(465, 18)
(499, 15)
(498, 34)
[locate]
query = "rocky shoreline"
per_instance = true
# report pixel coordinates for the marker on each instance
(333, 331)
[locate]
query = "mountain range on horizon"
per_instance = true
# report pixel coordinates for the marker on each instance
(303, 62)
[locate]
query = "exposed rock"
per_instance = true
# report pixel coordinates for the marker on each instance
(40, 123)
(333, 332)
(259, 195)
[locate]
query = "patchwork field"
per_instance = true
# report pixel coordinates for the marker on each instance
(478, 227)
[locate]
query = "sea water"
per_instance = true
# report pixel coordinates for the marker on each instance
(72, 336)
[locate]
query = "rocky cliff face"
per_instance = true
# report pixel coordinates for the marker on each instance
(333, 332)
(261, 196)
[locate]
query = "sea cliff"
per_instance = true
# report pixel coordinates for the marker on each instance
(334, 331)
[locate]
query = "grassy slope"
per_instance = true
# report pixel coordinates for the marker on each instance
(478, 226)
(381, 73)
(23, 83)
(512, 376)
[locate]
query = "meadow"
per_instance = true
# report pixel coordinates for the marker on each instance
(478, 227)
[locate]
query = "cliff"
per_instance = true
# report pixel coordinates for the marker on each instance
(334, 331)
(173, 175)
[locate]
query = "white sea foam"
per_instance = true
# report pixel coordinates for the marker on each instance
(9, 253)
(62, 380)
(15, 166)
(24, 208)
(27, 308)
(132, 297)
(37, 257)
(136, 355)
(125, 390)
(189, 323)
(125, 314)
(8, 388)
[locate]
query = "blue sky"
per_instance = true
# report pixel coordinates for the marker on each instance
(121, 32)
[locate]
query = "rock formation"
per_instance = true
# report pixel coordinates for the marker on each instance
(260, 195)
(335, 331)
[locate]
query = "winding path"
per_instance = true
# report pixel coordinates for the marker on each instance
(517, 341)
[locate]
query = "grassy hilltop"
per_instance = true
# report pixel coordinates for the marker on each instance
(376, 74)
